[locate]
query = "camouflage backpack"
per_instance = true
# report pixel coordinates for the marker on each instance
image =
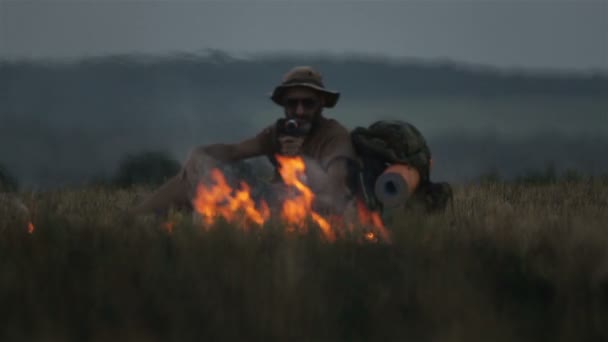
(392, 141)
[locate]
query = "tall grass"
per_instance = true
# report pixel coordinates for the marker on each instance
(506, 263)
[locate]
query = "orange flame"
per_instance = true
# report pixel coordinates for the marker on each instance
(220, 200)
(370, 236)
(299, 207)
(373, 219)
(169, 227)
(30, 228)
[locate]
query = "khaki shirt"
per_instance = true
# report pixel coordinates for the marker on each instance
(328, 141)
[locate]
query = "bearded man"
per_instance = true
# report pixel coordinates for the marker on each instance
(304, 131)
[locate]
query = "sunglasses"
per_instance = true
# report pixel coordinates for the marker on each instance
(307, 103)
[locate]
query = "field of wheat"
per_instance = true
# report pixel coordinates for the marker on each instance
(506, 262)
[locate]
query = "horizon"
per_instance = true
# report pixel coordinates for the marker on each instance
(222, 56)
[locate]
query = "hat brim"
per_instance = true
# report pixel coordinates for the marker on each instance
(330, 97)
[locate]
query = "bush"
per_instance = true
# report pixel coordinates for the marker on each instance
(536, 177)
(490, 176)
(145, 168)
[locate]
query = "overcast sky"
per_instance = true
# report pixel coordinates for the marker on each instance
(529, 33)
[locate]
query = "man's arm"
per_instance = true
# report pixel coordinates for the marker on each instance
(178, 190)
(203, 158)
(252, 147)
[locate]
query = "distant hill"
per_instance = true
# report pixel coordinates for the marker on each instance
(355, 75)
(65, 121)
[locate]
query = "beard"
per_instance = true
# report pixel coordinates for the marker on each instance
(307, 121)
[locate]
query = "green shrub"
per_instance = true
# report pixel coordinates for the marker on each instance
(537, 177)
(145, 168)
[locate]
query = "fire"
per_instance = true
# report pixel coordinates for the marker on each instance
(370, 236)
(299, 207)
(30, 228)
(169, 227)
(373, 219)
(220, 200)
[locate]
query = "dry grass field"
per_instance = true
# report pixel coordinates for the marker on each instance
(508, 262)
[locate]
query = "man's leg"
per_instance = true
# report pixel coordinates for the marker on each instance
(175, 192)
(179, 190)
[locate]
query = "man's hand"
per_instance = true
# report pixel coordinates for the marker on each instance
(290, 145)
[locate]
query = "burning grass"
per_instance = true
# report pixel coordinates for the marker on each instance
(510, 263)
(216, 199)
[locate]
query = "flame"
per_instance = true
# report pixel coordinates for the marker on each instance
(370, 236)
(373, 219)
(299, 207)
(169, 227)
(220, 200)
(30, 228)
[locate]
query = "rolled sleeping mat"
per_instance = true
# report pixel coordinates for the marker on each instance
(396, 184)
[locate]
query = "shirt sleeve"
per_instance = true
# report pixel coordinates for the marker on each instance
(337, 146)
(267, 140)
(260, 144)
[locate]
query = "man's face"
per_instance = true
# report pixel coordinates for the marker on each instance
(303, 104)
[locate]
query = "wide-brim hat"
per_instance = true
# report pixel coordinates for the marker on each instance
(304, 76)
